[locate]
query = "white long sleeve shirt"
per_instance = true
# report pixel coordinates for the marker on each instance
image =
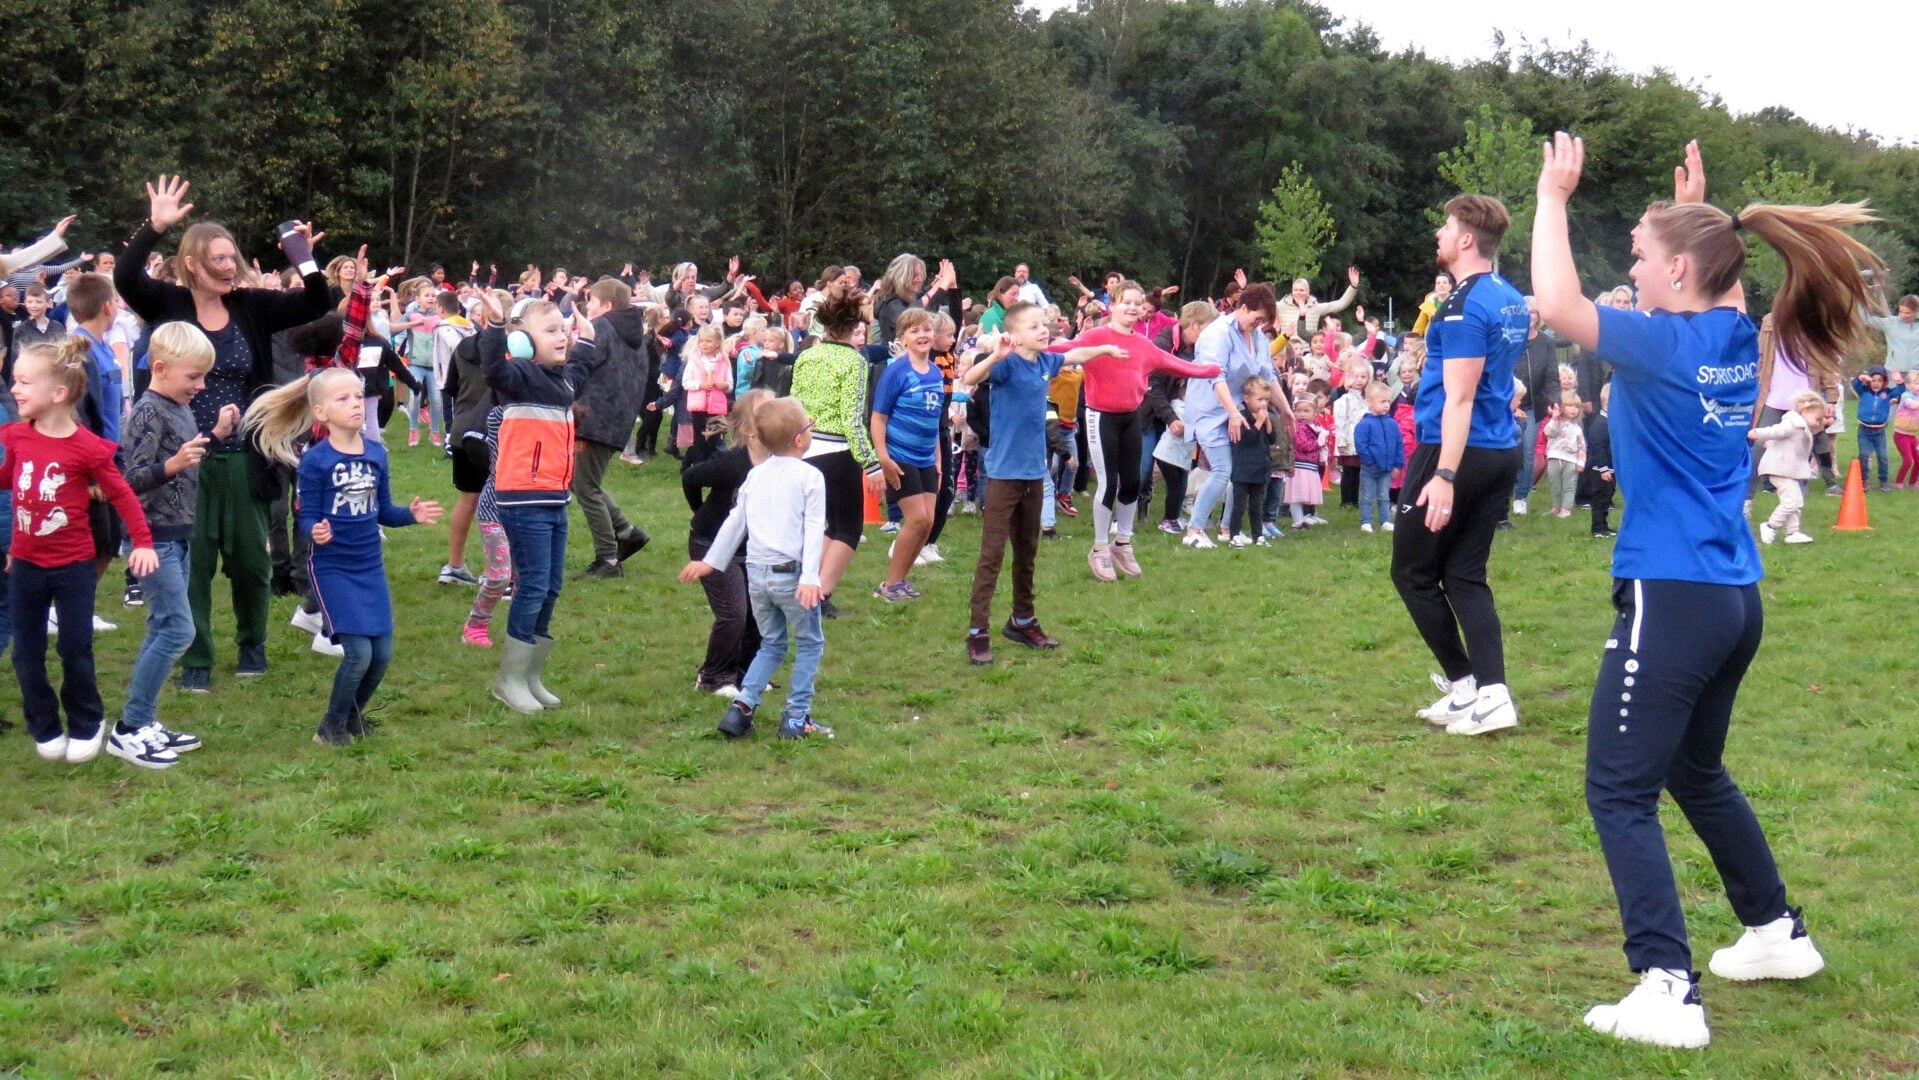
(781, 509)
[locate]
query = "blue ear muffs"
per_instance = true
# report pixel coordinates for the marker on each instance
(519, 345)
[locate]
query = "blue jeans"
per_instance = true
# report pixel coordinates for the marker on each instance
(361, 670)
(1049, 500)
(1872, 441)
(430, 396)
(169, 632)
(1529, 439)
(776, 608)
(1219, 484)
(536, 536)
(1375, 496)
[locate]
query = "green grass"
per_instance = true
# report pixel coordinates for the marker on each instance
(1206, 838)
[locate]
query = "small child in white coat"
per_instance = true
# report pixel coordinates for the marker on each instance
(1788, 463)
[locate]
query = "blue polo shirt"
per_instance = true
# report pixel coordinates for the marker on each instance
(1485, 316)
(912, 402)
(1016, 449)
(1683, 392)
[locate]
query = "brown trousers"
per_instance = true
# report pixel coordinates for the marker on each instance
(1011, 512)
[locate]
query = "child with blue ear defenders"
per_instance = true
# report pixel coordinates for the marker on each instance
(534, 369)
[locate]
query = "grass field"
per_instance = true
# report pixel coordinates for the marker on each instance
(1206, 838)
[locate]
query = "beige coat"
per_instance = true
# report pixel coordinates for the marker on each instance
(1788, 449)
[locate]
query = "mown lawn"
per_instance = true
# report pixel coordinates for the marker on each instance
(1206, 838)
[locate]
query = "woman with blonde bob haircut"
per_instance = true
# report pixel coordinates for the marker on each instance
(1685, 567)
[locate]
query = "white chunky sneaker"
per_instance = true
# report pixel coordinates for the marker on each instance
(1767, 534)
(1780, 949)
(309, 621)
(1519, 507)
(1492, 711)
(1457, 702)
(1663, 1010)
(930, 554)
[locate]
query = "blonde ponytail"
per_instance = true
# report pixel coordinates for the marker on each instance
(1817, 311)
(276, 419)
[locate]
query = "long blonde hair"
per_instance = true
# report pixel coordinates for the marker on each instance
(276, 419)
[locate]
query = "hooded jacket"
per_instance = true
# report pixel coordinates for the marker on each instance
(610, 401)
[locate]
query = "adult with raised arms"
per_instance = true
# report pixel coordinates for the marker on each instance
(1462, 469)
(1685, 568)
(230, 523)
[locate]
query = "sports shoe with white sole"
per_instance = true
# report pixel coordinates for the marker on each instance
(84, 750)
(931, 554)
(1663, 1010)
(139, 749)
(456, 575)
(325, 646)
(1767, 534)
(1780, 949)
(1457, 702)
(1492, 711)
(54, 749)
(1799, 538)
(1519, 507)
(1198, 541)
(1101, 562)
(1124, 559)
(309, 621)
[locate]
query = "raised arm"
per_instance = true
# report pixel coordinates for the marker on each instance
(1562, 306)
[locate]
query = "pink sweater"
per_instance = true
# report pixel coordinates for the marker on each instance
(1117, 384)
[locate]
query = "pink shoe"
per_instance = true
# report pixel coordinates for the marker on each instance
(413, 437)
(438, 439)
(475, 634)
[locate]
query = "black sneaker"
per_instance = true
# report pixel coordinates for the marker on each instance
(979, 649)
(332, 732)
(631, 541)
(1603, 534)
(601, 569)
(738, 721)
(828, 609)
(1029, 635)
(253, 660)
(1049, 534)
(196, 680)
(133, 597)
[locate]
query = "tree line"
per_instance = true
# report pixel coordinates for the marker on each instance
(1135, 134)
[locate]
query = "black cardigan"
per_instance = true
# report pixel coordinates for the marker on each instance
(259, 313)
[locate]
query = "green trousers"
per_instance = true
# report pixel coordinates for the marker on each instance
(230, 530)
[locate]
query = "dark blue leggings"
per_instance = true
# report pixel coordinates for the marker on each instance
(1660, 711)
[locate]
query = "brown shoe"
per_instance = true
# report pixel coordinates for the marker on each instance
(979, 649)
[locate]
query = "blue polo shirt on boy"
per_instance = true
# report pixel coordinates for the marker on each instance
(912, 402)
(112, 389)
(1684, 388)
(1485, 316)
(1017, 447)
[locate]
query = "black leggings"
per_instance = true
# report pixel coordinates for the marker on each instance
(1248, 498)
(1441, 576)
(943, 503)
(1175, 478)
(1114, 446)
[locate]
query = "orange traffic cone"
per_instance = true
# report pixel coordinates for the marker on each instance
(877, 516)
(1852, 506)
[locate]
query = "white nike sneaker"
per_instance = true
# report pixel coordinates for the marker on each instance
(1457, 703)
(1663, 1010)
(1492, 711)
(1780, 949)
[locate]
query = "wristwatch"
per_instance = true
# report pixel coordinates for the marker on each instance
(1446, 474)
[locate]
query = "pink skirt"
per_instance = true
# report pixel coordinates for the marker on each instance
(1303, 486)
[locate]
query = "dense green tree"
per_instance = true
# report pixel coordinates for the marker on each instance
(1294, 228)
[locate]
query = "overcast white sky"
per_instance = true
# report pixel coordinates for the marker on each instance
(1853, 66)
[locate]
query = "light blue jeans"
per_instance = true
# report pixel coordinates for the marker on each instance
(1218, 491)
(1049, 501)
(430, 395)
(1529, 438)
(1375, 496)
(776, 608)
(169, 632)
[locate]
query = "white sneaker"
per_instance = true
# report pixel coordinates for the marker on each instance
(1240, 540)
(54, 749)
(325, 645)
(931, 554)
(101, 626)
(1315, 519)
(1388, 527)
(1197, 540)
(1663, 1010)
(1457, 702)
(1365, 526)
(1778, 950)
(1493, 711)
(309, 621)
(1519, 507)
(1767, 534)
(729, 692)
(141, 749)
(82, 750)
(1799, 538)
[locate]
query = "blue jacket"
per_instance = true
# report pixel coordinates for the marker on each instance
(1875, 406)
(1376, 437)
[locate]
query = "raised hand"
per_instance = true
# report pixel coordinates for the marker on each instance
(360, 261)
(60, 229)
(1352, 276)
(732, 268)
(424, 511)
(165, 204)
(1239, 278)
(1689, 180)
(1564, 158)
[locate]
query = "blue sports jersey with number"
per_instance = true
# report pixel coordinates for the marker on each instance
(1684, 388)
(1485, 316)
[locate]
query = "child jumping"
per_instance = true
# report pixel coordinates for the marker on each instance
(344, 502)
(51, 462)
(1787, 462)
(163, 452)
(781, 513)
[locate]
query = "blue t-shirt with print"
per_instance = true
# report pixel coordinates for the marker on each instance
(1017, 447)
(1485, 316)
(1683, 391)
(912, 402)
